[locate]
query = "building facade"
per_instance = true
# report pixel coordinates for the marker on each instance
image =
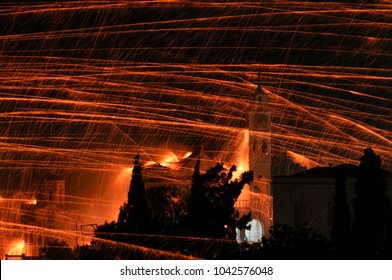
(307, 197)
(34, 219)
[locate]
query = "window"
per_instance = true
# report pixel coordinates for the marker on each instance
(253, 234)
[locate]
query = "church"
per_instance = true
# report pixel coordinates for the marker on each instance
(255, 198)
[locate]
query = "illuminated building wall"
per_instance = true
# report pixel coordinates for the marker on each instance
(34, 218)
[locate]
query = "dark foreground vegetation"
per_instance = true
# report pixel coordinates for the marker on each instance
(202, 225)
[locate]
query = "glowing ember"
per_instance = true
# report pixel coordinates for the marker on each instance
(169, 159)
(187, 154)
(33, 201)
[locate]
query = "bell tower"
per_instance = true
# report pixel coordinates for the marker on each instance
(259, 124)
(257, 197)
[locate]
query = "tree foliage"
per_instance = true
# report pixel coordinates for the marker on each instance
(300, 242)
(372, 224)
(212, 199)
(56, 249)
(168, 207)
(107, 227)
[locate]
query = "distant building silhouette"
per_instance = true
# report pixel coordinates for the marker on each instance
(35, 214)
(307, 197)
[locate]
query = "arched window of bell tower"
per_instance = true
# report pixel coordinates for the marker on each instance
(253, 234)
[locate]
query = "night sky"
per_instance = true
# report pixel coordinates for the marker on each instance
(85, 85)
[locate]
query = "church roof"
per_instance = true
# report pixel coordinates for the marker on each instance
(199, 153)
(350, 170)
(187, 163)
(177, 173)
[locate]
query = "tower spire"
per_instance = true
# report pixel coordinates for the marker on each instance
(259, 89)
(259, 95)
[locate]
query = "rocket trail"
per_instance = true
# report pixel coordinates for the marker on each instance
(86, 85)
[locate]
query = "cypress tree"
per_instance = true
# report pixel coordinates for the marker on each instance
(134, 216)
(197, 202)
(373, 211)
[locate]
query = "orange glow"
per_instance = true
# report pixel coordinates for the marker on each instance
(245, 195)
(84, 96)
(17, 248)
(33, 201)
(149, 163)
(187, 154)
(169, 160)
(241, 159)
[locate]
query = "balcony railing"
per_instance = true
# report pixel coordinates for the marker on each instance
(258, 202)
(240, 204)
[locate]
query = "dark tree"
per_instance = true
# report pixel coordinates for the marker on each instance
(168, 207)
(134, 216)
(96, 250)
(197, 202)
(106, 227)
(341, 219)
(212, 200)
(300, 242)
(56, 250)
(372, 208)
(242, 224)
